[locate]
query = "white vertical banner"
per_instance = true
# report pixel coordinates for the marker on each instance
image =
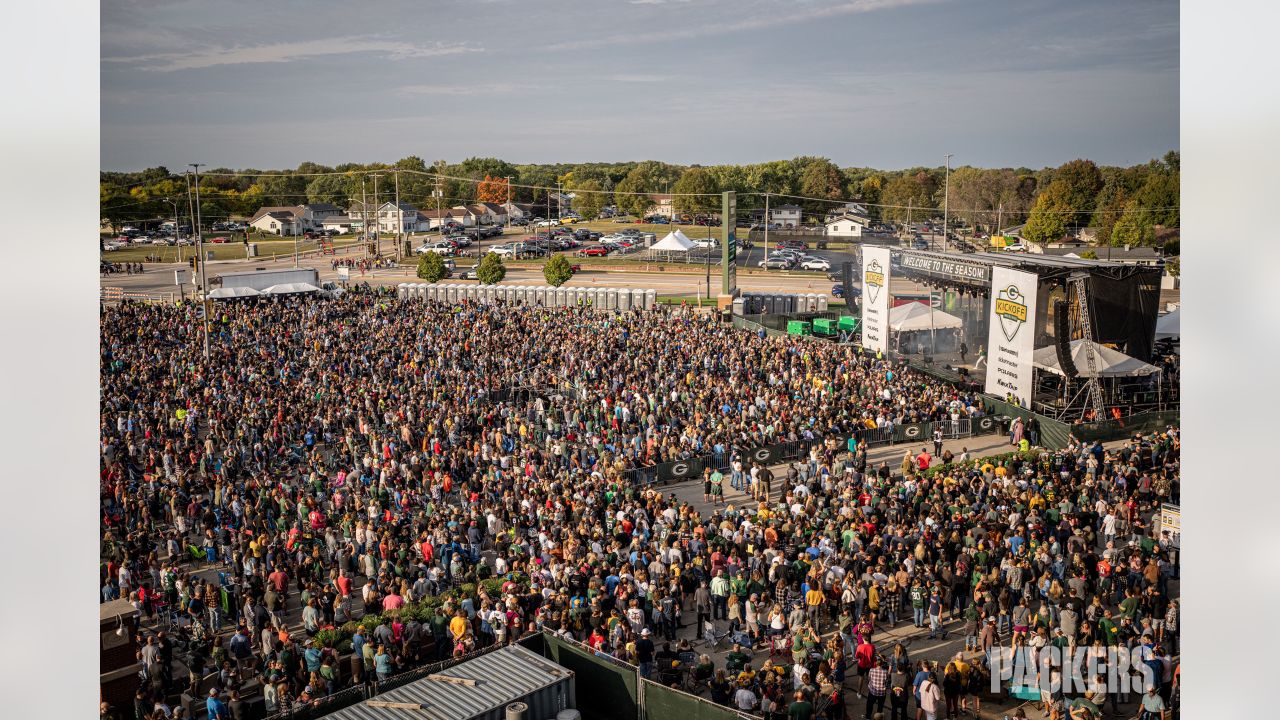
(875, 298)
(1011, 340)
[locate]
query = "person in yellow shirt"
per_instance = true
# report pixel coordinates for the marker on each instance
(458, 626)
(813, 601)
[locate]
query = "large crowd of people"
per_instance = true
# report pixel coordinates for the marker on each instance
(407, 481)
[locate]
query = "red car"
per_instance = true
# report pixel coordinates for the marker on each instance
(575, 269)
(594, 251)
(219, 240)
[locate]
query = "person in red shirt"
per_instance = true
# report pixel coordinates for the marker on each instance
(924, 459)
(865, 656)
(344, 584)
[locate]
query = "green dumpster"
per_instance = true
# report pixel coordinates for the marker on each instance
(848, 323)
(798, 327)
(824, 326)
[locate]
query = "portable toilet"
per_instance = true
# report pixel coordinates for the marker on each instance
(402, 290)
(624, 299)
(428, 292)
(540, 295)
(650, 299)
(526, 295)
(822, 303)
(611, 299)
(420, 291)
(561, 297)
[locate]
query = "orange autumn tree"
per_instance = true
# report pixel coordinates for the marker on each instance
(492, 190)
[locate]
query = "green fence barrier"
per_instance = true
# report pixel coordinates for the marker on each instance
(664, 703)
(1053, 433)
(606, 688)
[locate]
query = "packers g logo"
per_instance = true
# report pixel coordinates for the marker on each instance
(873, 278)
(1011, 308)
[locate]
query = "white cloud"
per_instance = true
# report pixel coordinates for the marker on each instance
(287, 52)
(637, 78)
(772, 16)
(461, 89)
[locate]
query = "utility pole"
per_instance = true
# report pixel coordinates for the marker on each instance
(204, 275)
(508, 214)
(364, 211)
(399, 218)
(946, 197)
(439, 196)
(766, 226)
(999, 221)
(377, 234)
(176, 232)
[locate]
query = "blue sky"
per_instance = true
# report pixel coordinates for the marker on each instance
(880, 83)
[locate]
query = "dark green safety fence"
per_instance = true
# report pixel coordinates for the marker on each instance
(664, 703)
(606, 687)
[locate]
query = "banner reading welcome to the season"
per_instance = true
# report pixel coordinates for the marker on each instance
(1011, 340)
(875, 298)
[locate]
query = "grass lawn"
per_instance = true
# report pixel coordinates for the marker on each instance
(221, 251)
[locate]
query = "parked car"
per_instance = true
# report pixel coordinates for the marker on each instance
(776, 263)
(594, 251)
(547, 223)
(220, 240)
(503, 250)
(520, 221)
(809, 262)
(441, 247)
(791, 245)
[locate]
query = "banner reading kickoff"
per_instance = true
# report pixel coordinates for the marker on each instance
(875, 298)
(1011, 341)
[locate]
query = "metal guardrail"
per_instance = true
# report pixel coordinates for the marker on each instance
(117, 294)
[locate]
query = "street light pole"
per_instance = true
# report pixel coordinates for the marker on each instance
(176, 232)
(946, 196)
(377, 220)
(201, 261)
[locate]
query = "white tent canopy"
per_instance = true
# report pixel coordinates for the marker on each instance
(1169, 325)
(290, 288)
(673, 242)
(915, 316)
(233, 292)
(1110, 363)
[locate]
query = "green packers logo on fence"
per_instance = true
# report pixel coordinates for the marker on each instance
(1011, 308)
(873, 278)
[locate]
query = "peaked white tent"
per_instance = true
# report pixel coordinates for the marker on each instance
(233, 292)
(290, 288)
(673, 242)
(915, 316)
(1110, 363)
(1169, 325)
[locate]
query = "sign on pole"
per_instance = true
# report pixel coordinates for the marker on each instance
(179, 277)
(344, 274)
(1011, 339)
(1171, 522)
(729, 243)
(875, 298)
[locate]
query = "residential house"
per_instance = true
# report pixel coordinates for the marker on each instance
(406, 219)
(277, 221)
(462, 214)
(854, 210)
(433, 219)
(488, 213)
(663, 205)
(519, 211)
(314, 214)
(785, 216)
(845, 226)
(343, 224)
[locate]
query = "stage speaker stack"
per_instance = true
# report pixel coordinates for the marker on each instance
(1062, 333)
(846, 280)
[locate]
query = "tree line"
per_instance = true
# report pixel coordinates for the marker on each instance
(1126, 204)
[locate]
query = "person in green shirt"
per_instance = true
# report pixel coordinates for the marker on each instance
(801, 709)
(1110, 631)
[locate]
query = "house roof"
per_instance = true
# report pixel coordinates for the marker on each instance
(850, 218)
(662, 197)
(435, 214)
(322, 207)
(338, 220)
(787, 207)
(404, 206)
(463, 209)
(488, 207)
(290, 211)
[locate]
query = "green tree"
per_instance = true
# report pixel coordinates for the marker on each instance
(1159, 197)
(491, 270)
(1089, 255)
(1079, 182)
(907, 196)
(631, 197)
(589, 198)
(821, 179)
(557, 271)
(1134, 228)
(1047, 222)
(431, 267)
(696, 192)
